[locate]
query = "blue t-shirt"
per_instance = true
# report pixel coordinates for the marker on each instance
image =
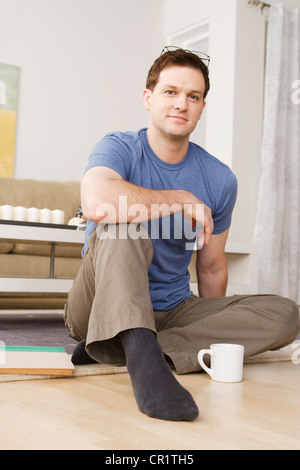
(130, 154)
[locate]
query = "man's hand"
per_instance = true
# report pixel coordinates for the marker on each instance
(199, 216)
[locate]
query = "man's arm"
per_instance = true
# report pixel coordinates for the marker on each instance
(106, 197)
(211, 267)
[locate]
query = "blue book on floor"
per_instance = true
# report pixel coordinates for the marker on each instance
(35, 360)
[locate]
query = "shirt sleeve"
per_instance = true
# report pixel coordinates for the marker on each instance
(112, 152)
(222, 213)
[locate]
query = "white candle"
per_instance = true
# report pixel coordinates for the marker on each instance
(58, 217)
(20, 213)
(32, 214)
(45, 216)
(7, 212)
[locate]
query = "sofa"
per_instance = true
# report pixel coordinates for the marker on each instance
(32, 260)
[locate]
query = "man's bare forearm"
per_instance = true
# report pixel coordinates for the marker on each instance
(121, 201)
(212, 284)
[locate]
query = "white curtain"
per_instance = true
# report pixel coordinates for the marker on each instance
(277, 230)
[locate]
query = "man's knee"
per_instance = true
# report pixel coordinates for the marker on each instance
(285, 317)
(124, 231)
(292, 312)
(124, 240)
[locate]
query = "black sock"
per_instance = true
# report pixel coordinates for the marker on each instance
(80, 356)
(157, 392)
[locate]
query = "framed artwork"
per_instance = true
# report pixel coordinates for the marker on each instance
(9, 83)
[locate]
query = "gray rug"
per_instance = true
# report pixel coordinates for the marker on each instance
(43, 329)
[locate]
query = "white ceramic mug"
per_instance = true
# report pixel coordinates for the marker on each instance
(7, 212)
(20, 213)
(226, 362)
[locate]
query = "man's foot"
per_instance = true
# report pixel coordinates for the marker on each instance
(157, 392)
(80, 356)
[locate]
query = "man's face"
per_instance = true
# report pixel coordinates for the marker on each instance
(176, 103)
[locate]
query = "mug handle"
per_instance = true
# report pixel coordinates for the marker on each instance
(201, 353)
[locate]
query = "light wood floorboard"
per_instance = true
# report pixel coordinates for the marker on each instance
(262, 412)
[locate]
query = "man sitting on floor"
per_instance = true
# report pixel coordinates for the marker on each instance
(142, 193)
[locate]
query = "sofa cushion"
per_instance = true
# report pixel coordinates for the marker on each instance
(6, 247)
(45, 250)
(12, 265)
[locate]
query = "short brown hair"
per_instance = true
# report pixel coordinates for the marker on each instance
(177, 57)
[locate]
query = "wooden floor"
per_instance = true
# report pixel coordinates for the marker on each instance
(262, 412)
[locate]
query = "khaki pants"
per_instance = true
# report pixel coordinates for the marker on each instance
(111, 294)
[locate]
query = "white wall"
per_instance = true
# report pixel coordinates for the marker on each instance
(83, 65)
(234, 110)
(235, 101)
